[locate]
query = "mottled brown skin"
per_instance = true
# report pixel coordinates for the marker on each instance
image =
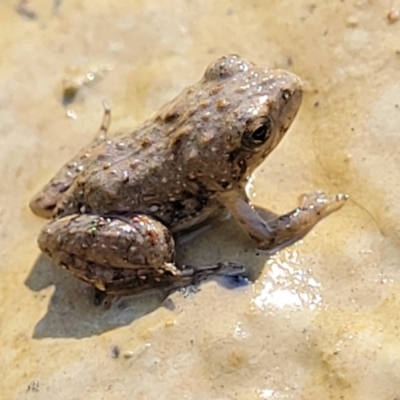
(170, 174)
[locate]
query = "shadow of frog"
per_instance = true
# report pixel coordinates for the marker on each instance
(72, 311)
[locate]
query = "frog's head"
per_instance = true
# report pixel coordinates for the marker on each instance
(258, 107)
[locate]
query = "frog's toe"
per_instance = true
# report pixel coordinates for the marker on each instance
(221, 268)
(230, 268)
(321, 203)
(101, 298)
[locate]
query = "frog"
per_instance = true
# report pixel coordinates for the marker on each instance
(117, 207)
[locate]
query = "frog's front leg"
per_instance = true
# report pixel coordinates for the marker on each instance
(122, 256)
(282, 230)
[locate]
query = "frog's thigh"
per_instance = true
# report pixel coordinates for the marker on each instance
(136, 242)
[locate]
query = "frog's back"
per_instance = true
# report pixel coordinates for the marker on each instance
(144, 172)
(157, 169)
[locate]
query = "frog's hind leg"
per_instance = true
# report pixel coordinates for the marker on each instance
(186, 277)
(110, 251)
(122, 256)
(202, 273)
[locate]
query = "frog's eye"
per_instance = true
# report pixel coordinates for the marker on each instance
(261, 134)
(257, 133)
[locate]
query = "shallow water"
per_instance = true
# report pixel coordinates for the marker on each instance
(321, 320)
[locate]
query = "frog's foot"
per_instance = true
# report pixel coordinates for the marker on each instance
(294, 225)
(200, 274)
(186, 279)
(105, 123)
(288, 228)
(190, 290)
(320, 205)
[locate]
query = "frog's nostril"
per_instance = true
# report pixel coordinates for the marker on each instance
(286, 94)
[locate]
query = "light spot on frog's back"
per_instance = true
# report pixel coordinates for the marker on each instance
(120, 146)
(215, 90)
(204, 104)
(221, 104)
(207, 136)
(190, 154)
(242, 89)
(134, 164)
(205, 117)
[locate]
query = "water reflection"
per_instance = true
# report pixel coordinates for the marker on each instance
(288, 284)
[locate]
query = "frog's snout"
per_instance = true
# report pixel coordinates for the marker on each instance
(41, 206)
